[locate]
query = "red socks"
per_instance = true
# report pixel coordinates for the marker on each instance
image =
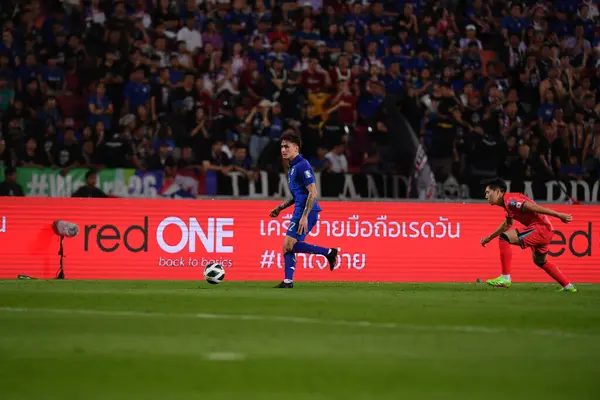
(552, 270)
(505, 257)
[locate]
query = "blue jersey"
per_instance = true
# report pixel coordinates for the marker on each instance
(300, 175)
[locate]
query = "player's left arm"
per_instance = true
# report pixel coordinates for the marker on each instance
(308, 179)
(310, 200)
(310, 203)
(536, 208)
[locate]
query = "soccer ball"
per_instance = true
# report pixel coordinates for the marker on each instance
(214, 273)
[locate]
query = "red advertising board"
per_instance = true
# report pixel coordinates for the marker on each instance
(379, 242)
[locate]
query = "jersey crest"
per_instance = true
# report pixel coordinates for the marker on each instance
(515, 204)
(307, 174)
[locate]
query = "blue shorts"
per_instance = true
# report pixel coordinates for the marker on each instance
(292, 231)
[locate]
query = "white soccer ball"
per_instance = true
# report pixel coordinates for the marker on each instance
(214, 273)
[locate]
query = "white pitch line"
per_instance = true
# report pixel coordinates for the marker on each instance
(222, 356)
(305, 321)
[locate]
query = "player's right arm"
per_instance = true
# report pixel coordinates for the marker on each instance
(275, 212)
(536, 208)
(504, 226)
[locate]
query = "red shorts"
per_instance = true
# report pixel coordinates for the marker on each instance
(536, 236)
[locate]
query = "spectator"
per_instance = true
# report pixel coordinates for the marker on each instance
(136, 91)
(240, 162)
(189, 35)
(100, 107)
(216, 160)
(320, 163)
(90, 188)
(161, 159)
(572, 170)
(10, 187)
(66, 152)
(471, 36)
(32, 156)
(337, 159)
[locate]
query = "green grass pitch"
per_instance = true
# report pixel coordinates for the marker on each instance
(192, 340)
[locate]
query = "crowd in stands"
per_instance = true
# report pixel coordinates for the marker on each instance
(490, 87)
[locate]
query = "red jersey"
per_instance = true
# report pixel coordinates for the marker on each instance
(514, 205)
(313, 81)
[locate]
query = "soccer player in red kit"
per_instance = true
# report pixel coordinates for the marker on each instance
(537, 233)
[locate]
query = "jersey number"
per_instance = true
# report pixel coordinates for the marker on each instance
(292, 224)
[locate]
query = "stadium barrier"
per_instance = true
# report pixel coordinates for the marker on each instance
(379, 241)
(131, 183)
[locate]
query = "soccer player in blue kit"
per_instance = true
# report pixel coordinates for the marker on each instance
(301, 180)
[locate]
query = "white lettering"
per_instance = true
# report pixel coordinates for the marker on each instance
(235, 184)
(318, 181)
(208, 240)
(3, 227)
(222, 233)
(349, 190)
(264, 186)
(586, 190)
(273, 259)
(150, 186)
(135, 186)
(189, 234)
(283, 189)
(550, 189)
(372, 191)
(160, 235)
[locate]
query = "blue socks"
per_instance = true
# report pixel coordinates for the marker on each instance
(290, 257)
(290, 266)
(303, 247)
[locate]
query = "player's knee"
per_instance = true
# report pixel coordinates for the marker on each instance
(539, 261)
(288, 246)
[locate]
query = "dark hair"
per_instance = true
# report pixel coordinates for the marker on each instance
(496, 184)
(90, 173)
(292, 138)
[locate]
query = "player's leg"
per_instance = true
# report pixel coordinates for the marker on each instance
(302, 247)
(505, 240)
(539, 241)
(541, 260)
(290, 263)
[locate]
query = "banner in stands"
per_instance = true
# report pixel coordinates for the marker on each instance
(115, 182)
(122, 182)
(378, 242)
(189, 184)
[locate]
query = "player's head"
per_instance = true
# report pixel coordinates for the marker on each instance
(494, 190)
(290, 145)
(91, 177)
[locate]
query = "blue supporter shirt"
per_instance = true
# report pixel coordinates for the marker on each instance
(546, 112)
(137, 94)
(513, 25)
(103, 103)
(380, 40)
(54, 77)
(276, 128)
(407, 47)
(176, 76)
(27, 74)
(563, 29)
(394, 85)
(300, 175)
